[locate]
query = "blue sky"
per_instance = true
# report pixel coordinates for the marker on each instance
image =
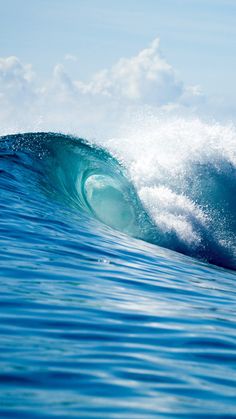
(197, 39)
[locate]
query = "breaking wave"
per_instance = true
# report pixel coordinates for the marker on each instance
(174, 185)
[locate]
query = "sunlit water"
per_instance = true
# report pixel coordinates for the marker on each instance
(111, 301)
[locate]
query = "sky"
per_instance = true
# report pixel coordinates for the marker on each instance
(64, 46)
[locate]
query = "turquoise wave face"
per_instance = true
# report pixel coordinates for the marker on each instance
(90, 179)
(86, 177)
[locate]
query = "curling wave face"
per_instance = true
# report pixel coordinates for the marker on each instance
(190, 209)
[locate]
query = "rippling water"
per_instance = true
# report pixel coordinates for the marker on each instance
(107, 308)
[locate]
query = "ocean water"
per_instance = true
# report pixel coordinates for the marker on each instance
(118, 274)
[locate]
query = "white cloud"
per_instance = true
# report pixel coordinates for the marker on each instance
(17, 93)
(15, 79)
(70, 57)
(143, 80)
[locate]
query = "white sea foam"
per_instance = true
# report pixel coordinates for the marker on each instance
(160, 154)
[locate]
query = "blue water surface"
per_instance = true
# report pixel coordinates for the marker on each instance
(96, 322)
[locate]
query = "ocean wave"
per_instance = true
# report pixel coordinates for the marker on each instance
(158, 189)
